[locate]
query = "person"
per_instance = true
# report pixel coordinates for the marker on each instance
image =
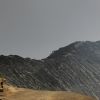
(2, 84)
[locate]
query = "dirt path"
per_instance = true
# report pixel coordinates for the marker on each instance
(27, 94)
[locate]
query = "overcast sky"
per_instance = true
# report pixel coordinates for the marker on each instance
(34, 28)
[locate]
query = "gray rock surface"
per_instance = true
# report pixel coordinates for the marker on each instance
(75, 67)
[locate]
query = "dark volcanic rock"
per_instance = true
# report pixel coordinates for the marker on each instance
(75, 67)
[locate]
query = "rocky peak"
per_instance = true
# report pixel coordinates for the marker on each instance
(73, 48)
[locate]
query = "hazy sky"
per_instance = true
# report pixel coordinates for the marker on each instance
(34, 28)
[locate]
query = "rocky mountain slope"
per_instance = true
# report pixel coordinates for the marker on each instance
(75, 67)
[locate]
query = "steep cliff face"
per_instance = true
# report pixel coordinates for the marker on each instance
(75, 67)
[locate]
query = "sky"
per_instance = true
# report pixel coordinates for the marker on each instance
(35, 28)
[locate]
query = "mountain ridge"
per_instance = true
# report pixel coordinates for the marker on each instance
(74, 67)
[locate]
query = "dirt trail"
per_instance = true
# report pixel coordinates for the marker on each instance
(13, 93)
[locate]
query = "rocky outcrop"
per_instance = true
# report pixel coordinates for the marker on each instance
(75, 67)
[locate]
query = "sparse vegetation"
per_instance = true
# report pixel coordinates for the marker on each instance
(2, 75)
